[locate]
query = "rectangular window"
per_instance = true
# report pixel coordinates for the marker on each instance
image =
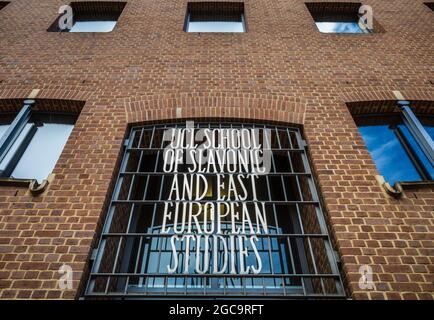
(396, 146)
(154, 242)
(92, 16)
(336, 17)
(215, 17)
(3, 4)
(31, 143)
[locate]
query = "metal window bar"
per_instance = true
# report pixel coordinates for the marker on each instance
(11, 135)
(137, 255)
(418, 131)
(415, 160)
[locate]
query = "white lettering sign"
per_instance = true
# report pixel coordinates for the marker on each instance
(215, 231)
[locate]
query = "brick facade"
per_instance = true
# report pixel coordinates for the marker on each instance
(282, 69)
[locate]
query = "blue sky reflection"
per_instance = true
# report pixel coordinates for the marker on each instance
(430, 131)
(390, 157)
(417, 149)
(339, 27)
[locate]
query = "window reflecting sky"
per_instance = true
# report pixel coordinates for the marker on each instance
(430, 131)
(41, 155)
(93, 26)
(215, 26)
(3, 128)
(390, 157)
(417, 149)
(339, 27)
(15, 146)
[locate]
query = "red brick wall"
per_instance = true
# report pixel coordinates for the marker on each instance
(282, 69)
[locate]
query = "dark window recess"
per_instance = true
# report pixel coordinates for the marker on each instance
(338, 17)
(3, 4)
(133, 255)
(398, 150)
(31, 142)
(430, 5)
(215, 17)
(92, 16)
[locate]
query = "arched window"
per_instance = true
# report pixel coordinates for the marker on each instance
(185, 222)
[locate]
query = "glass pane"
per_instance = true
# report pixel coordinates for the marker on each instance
(339, 27)
(41, 155)
(5, 121)
(15, 146)
(428, 124)
(3, 128)
(430, 131)
(391, 159)
(215, 26)
(93, 26)
(418, 151)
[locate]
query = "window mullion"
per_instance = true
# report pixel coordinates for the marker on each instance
(411, 154)
(15, 128)
(418, 131)
(8, 166)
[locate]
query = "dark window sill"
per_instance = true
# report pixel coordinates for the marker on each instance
(416, 184)
(12, 182)
(398, 189)
(32, 184)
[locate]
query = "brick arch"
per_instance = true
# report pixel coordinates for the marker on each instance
(249, 106)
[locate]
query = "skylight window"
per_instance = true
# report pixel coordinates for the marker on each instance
(215, 17)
